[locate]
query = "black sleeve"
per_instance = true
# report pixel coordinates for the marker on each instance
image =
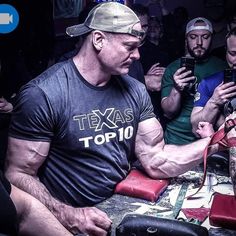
(8, 215)
(5, 183)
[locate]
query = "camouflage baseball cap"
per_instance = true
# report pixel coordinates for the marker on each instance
(109, 17)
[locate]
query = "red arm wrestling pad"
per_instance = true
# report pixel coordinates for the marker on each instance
(137, 184)
(223, 211)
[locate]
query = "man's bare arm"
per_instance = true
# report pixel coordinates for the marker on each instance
(23, 161)
(164, 161)
(209, 113)
(34, 218)
(171, 105)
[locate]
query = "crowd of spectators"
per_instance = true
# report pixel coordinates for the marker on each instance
(180, 98)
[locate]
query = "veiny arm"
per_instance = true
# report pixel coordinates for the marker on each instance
(164, 161)
(209, 113)
(34, 218)
(23, 161)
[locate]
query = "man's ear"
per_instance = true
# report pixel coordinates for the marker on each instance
(98, 38)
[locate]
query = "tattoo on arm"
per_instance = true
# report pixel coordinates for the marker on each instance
(232, 166)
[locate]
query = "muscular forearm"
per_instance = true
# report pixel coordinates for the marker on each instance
(34, 218)
(232, 167)
(34, 187)
(161, 160)
(209, 113)
(175, 160)
(171, 104)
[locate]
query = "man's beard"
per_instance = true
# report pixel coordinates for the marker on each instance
(199, 57)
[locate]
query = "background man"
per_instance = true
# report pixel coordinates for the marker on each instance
(153, 61)
(213, 93)
(73, 144)
(177, 100)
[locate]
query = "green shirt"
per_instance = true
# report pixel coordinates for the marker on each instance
(179, 129)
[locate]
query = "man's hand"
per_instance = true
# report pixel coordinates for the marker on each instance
(205, 129)
(5, 106)
(181, 79)
(223, 93)
(156, 69)
(88, 220)
(153, 77)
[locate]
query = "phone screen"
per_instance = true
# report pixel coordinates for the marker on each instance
(229, 75)
(189, 63)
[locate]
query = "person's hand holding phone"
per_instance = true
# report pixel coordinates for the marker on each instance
(227, 89)
(223, 93)
(184, 77)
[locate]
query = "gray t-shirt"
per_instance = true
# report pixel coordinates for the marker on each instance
(91, 129)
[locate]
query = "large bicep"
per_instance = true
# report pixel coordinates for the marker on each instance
(25, 156)
(149, 143)
(149, 147)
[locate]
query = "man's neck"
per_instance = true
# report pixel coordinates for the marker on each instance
(92, 74)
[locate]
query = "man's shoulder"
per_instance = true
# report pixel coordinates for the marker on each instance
(51, 82)
(213, 80)
(217, 60)
(60, 68)
(130, 81)
(173, 66)
(175, 63)
(54, 74)
(210, 66)
(216, 76)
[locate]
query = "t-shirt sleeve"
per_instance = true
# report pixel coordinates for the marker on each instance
(147, 107)
(5, 182)
(202, 96)
(32, 118)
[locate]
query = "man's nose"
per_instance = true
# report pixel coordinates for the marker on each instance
(135, 54)
(199, 40)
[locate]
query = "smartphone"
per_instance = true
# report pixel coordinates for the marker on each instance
(189, 63)
(229, 75)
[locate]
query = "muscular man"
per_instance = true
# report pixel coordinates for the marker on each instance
(177, 99)
(213, 93)
(76, 126)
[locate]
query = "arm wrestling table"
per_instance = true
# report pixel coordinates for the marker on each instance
(118, 205)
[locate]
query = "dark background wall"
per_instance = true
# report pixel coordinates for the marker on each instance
(195, 7)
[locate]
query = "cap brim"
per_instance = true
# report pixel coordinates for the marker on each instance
(77, 30)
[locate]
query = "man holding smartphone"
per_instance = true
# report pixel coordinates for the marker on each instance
(214, 91)
(177, 98)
